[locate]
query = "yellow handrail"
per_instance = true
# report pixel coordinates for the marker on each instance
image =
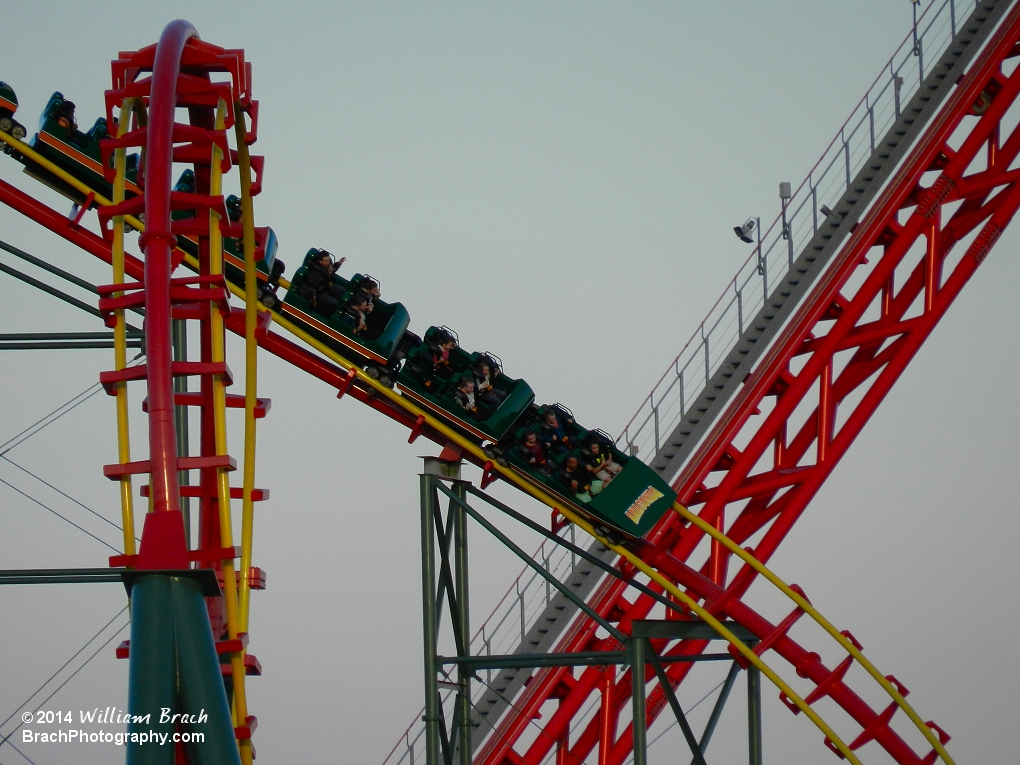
(99, 199)
(250, 385)
(582, 523)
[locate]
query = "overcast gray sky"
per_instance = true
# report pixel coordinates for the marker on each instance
(558, 182)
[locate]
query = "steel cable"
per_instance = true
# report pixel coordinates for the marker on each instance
(63, 518)
(61, 493)
(5, 738)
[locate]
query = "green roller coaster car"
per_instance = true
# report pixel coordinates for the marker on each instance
(419, 381)
(632, 502)
(379, 350)
(75, 152)
(9, 105)
(268, 268)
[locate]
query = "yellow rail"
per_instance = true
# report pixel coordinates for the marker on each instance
(803, 604)
(219, 391)
(250, 360)
(586, 526)
(28, 151)
(120, 348)
(250, 385)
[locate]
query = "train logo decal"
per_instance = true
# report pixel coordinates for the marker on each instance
(642, 503)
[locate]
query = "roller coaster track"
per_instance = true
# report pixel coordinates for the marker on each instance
(846, 344)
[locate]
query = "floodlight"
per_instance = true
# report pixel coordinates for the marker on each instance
(744, 232)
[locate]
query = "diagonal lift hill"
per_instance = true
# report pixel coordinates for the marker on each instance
(868, 254)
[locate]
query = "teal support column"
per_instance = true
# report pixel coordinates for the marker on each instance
(201, 688)
(152, 674)
(174, 670)
(430, 643)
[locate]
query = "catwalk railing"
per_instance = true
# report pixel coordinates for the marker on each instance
(796, 224)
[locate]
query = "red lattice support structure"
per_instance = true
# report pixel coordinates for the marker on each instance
(149, 87)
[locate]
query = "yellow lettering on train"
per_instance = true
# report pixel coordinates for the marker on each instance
(642, 503)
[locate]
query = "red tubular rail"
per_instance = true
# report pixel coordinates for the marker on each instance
(157, 242)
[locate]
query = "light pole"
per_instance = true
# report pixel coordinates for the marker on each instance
(750, 232)
(785, 194)
(918, 51)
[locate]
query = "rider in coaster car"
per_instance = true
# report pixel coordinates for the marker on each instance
(464, 397)
(439, 351)
(324, 295)
(554, 437)
(531, 451)
(485, 371)
(577, 479)
(356, 311)
(598, 461)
